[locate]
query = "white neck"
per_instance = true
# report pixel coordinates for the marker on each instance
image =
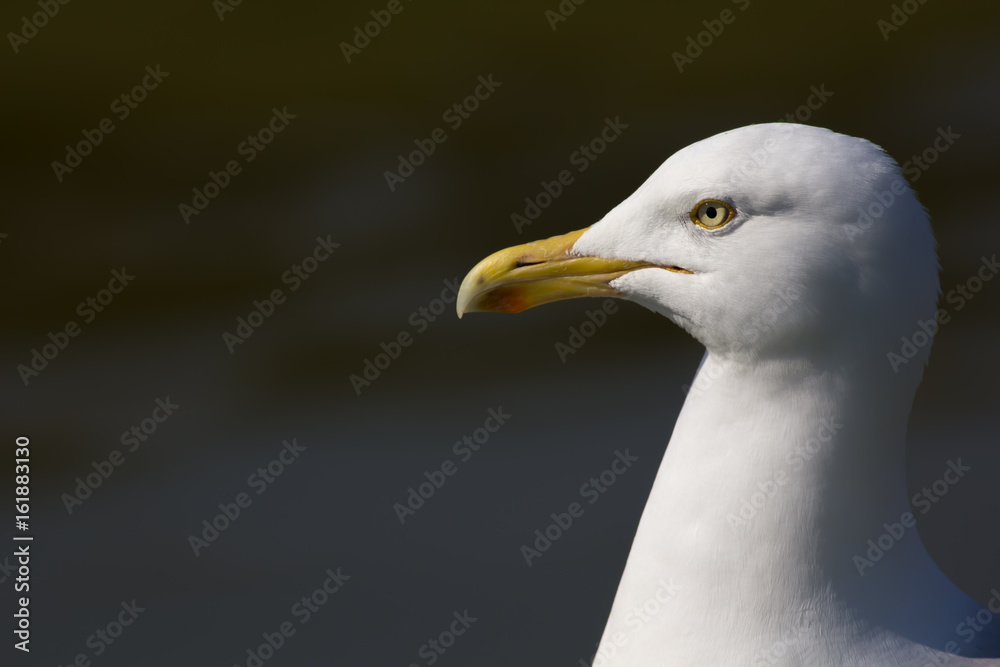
(757, 522)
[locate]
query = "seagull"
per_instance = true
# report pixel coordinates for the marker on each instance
(803, 262)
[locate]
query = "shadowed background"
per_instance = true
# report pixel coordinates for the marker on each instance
(323, 176)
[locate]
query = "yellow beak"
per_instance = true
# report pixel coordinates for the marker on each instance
(529, 275)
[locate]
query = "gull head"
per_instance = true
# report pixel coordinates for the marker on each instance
(762, 242)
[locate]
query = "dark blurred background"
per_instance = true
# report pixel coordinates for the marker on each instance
(323, 176)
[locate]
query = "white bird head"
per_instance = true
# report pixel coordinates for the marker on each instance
(768, 240)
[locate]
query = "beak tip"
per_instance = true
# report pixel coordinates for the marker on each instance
(463, 300)
(489, 286)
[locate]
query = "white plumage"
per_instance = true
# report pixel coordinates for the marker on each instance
(788, 455)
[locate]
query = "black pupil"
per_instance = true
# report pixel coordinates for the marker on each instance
(710, 212)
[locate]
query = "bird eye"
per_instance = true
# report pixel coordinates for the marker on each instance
(712, 213)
